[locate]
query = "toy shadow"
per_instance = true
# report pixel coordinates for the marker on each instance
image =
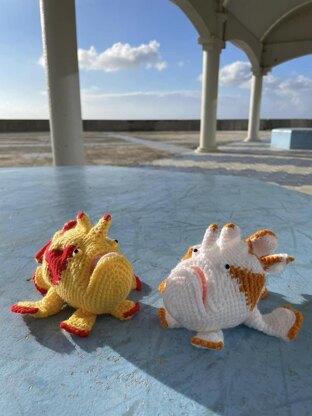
(48, 333)
(237, 380)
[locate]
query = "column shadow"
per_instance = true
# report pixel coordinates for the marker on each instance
(254, 373)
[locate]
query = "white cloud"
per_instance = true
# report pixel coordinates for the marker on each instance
(231, 106)
(282, 97)
(271, 82)
(290, 97)
(122, 56)
(94, 93)
(140, 104)
(236, 74)
(97, 104)
(299, 83)
(36, 108)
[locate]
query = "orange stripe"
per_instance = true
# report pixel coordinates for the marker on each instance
(260, 234)
(268, 261)
(213, 227)
(188, 254)
(207, 344)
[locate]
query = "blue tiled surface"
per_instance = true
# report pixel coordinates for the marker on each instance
(136, 367)
(293, 138)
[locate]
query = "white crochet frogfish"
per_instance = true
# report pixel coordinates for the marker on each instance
(218, 285)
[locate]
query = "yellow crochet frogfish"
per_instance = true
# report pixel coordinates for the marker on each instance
(81, 267)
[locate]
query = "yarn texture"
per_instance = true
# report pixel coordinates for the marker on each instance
(219, 283)
(82, 267)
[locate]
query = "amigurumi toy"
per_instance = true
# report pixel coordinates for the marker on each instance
(218, 284)
(85, 269)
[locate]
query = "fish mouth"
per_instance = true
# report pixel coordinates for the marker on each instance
(202, 280)
(98, 258)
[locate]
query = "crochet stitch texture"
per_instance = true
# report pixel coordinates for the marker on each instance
(218, 284)
(82, 267)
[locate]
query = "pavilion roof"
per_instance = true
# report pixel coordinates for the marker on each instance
(269, 31)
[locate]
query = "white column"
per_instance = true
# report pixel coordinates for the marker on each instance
(255, 104)
(210, 79)
(58, 23)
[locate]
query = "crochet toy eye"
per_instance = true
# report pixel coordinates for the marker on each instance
(195, 250)
(76, 251)
(116, 241)
(227, 266)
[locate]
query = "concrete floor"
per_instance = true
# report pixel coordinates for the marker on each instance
(172, 150)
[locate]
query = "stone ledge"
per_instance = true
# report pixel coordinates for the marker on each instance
(295, 138)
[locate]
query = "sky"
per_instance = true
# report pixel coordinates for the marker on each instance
(139, 59)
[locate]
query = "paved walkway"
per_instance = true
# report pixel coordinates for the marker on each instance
(291, 169)
(173, 150)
